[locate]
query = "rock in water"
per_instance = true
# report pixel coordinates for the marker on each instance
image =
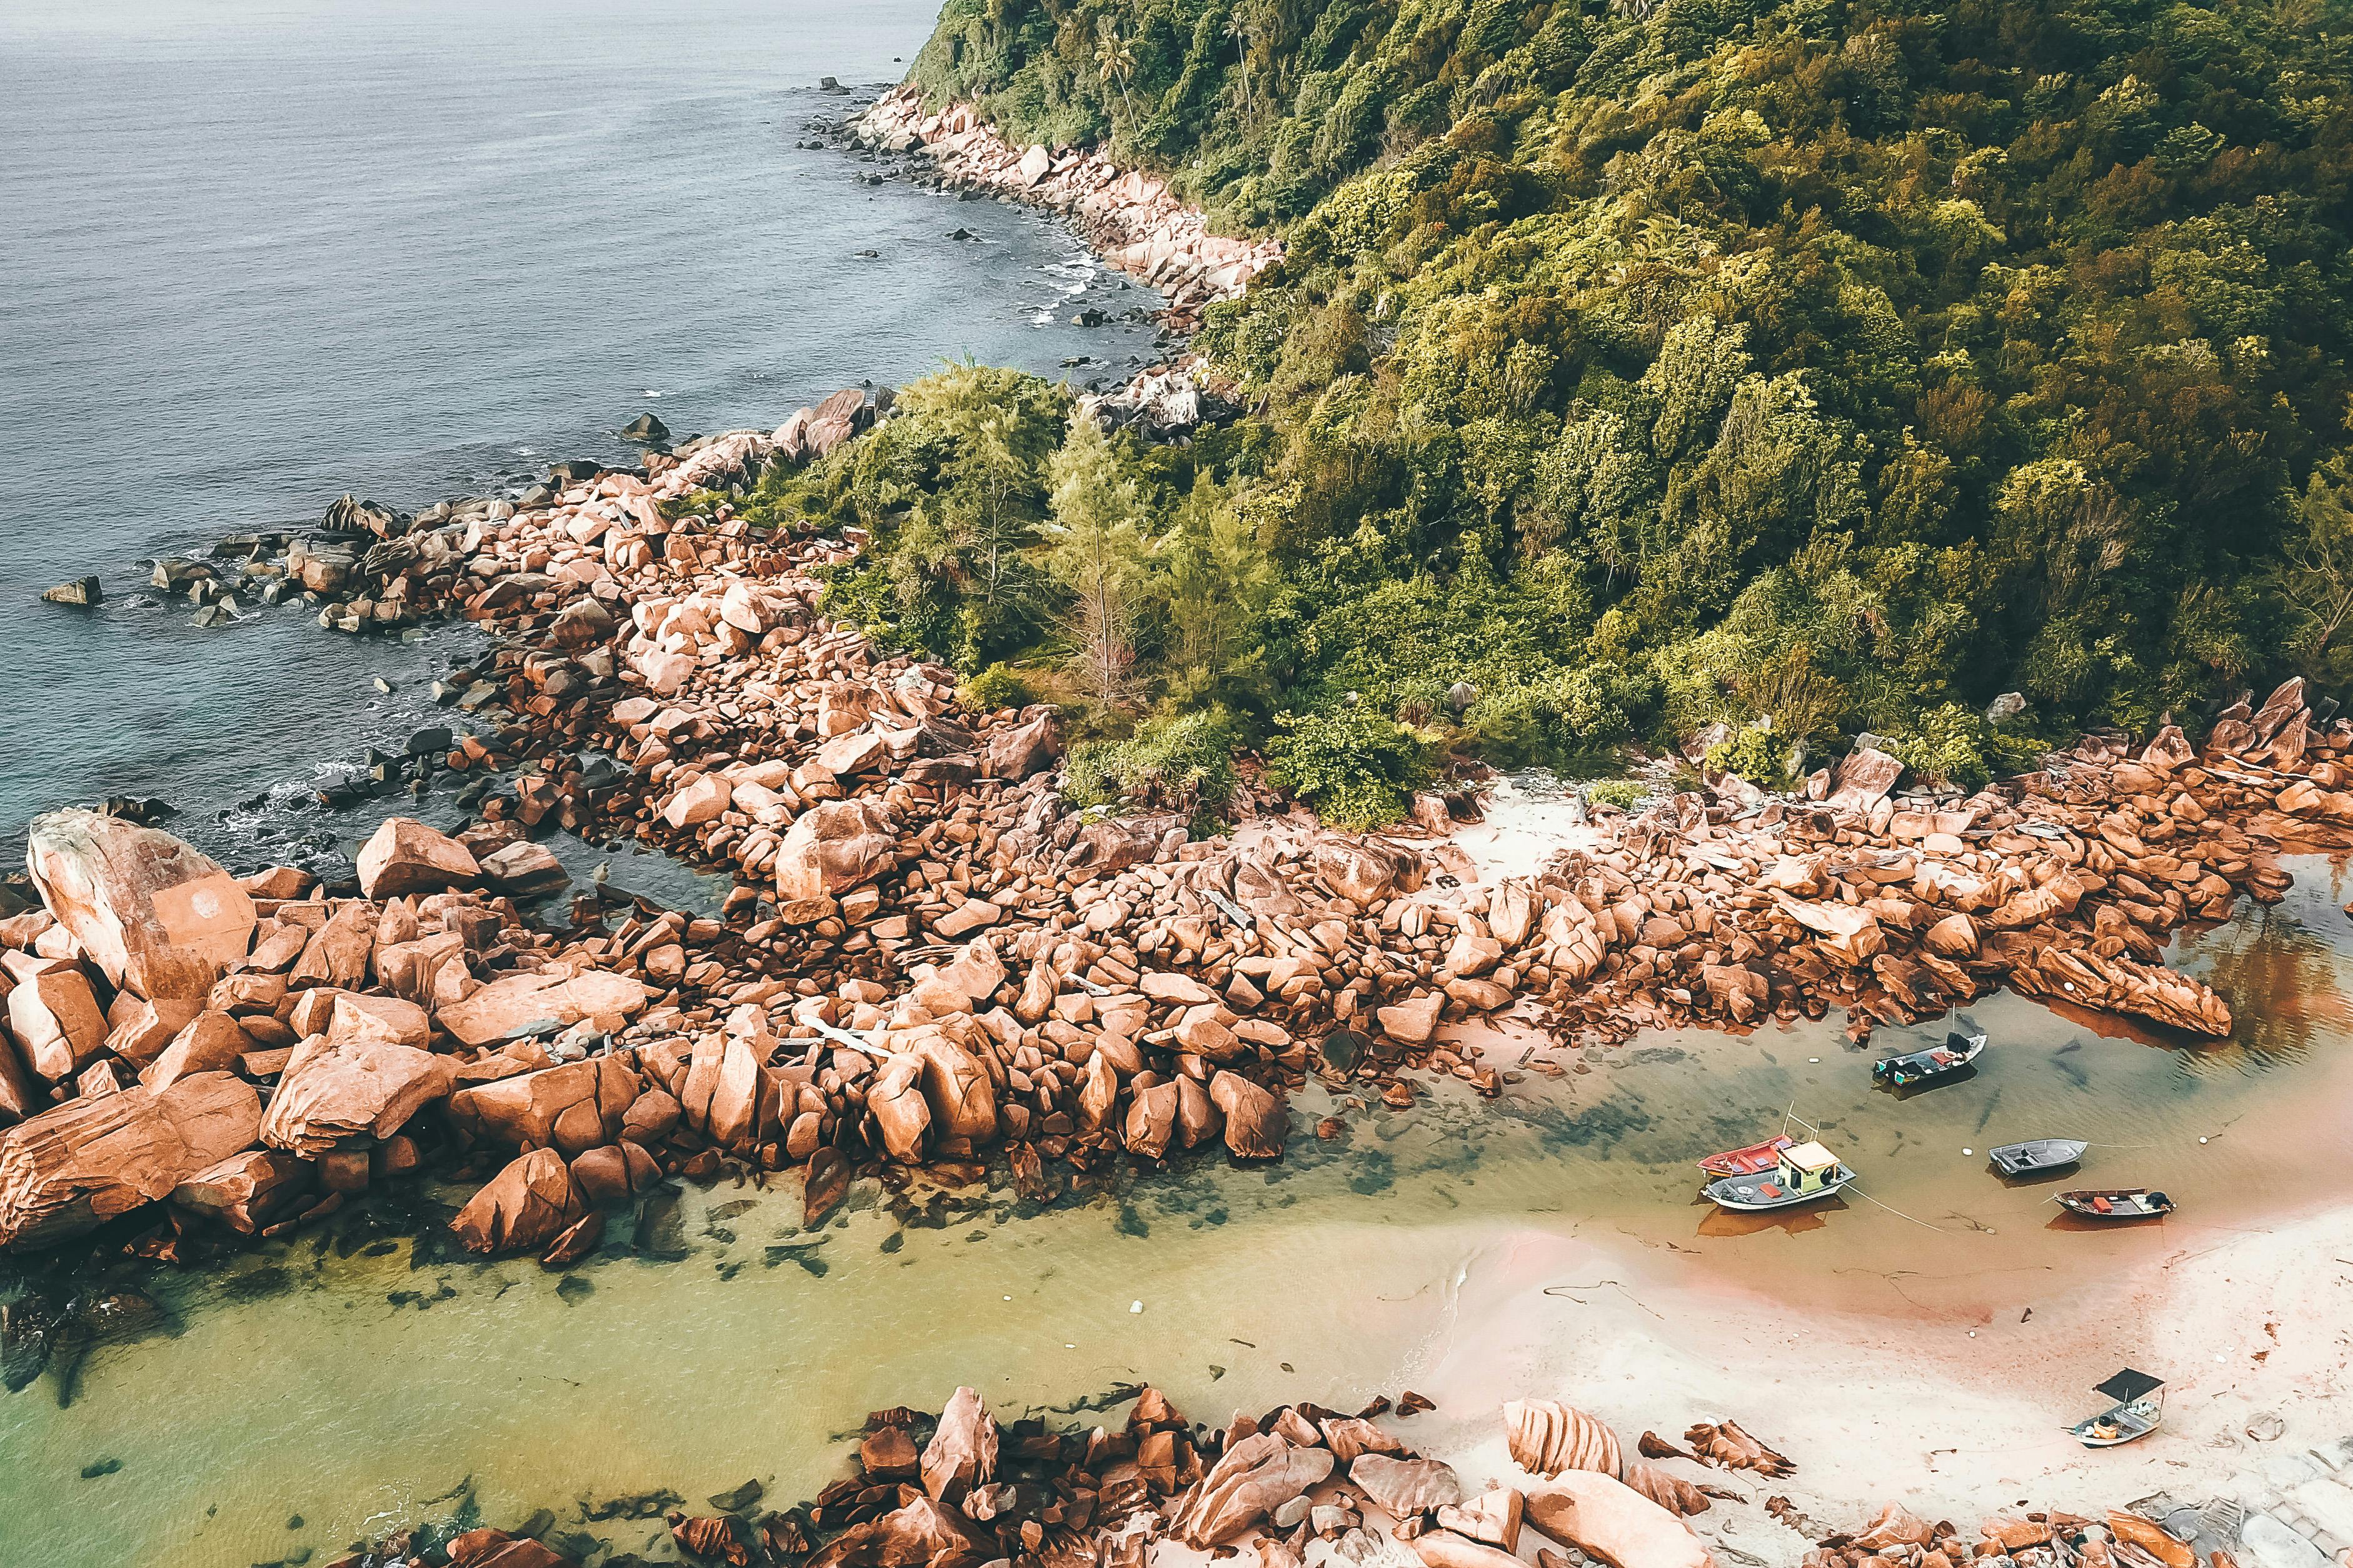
(70, 1170)
(160, 918)
(961, 1453)
(81, 591)
(645, 427)
(404, 856)
(525, 1206)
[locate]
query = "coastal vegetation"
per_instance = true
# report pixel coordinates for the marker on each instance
(1802, 368)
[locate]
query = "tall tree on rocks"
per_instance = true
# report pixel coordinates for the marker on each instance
(1098, 557)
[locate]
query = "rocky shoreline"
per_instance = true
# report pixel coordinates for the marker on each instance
(929, 958)
(1132, 218)
(1299, 1485)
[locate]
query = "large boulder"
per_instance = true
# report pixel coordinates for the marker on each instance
(54, 1014)
(895, 1100)
(1019, 750)
(1257, 1119)
(555, 995)
(834, 846)
(961, 1453)
(1406, 1487)
(336, 1092)
(246, 1191)
(1545, 1438)
(1250, 1480)
(1364, 873)
(72, 1169)
(523, 1208)
(572, 1107)
(921, 1532)
(159, 919)
(1606, 1519)
(406, 856)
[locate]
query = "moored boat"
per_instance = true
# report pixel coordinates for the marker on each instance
(2121, 1202)
(1801, 1174)
(1915, 1068)
(1754, 1160)
(2037, 1154)
(2138, 1410)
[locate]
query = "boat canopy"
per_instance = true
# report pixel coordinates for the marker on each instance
(2128, 1385)
(1808, 1157)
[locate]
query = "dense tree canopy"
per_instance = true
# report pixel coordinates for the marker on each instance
(1834, 365)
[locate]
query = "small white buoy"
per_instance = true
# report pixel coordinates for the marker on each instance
(1973, 1334)
(1135, 1306)
(1965, 1152)
(2201, 1139)
(1813, 1059)
(1069, 1347)
(1008, 1297)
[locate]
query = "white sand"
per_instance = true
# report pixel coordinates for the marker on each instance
(1953, 1420)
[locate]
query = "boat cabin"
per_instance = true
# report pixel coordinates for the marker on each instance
(1807, 1167)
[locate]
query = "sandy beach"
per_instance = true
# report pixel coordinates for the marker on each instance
(1949, 1418)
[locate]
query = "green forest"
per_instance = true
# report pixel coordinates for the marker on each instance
(1803, 368)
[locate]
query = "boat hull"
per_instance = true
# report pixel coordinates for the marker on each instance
(1749, 1195)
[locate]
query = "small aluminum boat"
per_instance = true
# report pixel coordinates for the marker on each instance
(2138, 1410)
(1947, 1060)
(2122, 1203)
(1801, 1174)
(2037, 1154)
(1755, 1160)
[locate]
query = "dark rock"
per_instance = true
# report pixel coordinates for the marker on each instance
(81, 591)
(645, 427)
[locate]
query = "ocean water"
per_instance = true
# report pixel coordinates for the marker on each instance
(257, 255)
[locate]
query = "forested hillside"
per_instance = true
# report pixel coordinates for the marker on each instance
(1804, 367)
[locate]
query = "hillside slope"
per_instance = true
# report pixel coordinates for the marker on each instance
(1835, 365)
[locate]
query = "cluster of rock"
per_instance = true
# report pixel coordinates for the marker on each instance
(1297, 1485)
(2062, 884)
(2038, 1539)
(249, 1051)
(1131, 218)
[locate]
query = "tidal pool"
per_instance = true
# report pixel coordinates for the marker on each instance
(357, 1379)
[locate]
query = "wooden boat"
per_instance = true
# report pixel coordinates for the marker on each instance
(1801, 1174)
(1755, 1160)
(2037, 1154)
(2138, 1410)
(1944, 1062)
(2122, 1203)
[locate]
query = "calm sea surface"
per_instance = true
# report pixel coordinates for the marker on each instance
(257, 255)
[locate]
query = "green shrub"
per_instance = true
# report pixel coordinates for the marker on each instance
(1176, 762)
(1623, 793)
(1355, 766)
(1955, 745)
(1754, 753)
(999, 686)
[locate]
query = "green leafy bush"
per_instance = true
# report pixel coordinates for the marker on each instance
(1182, 762)
(1356, 767)
(999, 685)
(1623, 793)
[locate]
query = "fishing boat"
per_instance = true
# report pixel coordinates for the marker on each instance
(1947, 1060)
(2138, 1410)
(1755, 1160)
(2124, 1203)
(2037, 1154)
(1801, 1174)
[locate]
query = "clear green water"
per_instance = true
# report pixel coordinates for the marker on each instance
(298, 1384)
